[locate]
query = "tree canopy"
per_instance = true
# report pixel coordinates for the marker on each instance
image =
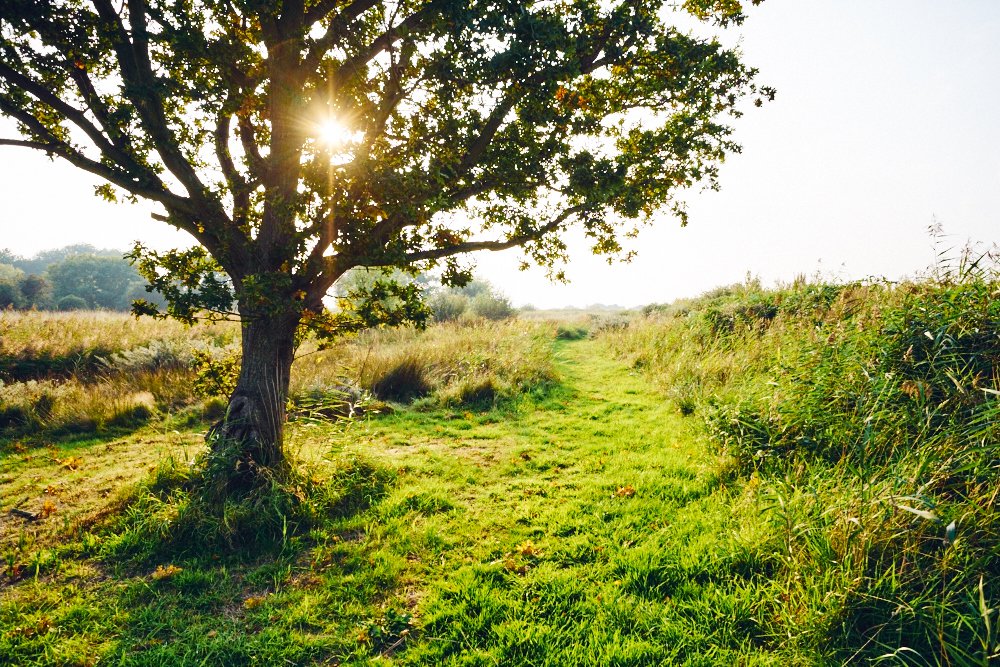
(295, 140)
(299, 139)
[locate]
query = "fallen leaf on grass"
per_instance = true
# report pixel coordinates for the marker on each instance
(528, 548)
(253, 601)
(512, 565)
(162, 572)
(71, 462)
(48, 509)
(625, 491)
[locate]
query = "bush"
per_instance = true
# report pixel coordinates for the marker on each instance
(163, 354)
(481, 393)
(71, 302)
(568, 332)
(448, 306)
(402, 380)
(491, 306)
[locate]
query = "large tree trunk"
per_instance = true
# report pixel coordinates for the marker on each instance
(248, 441)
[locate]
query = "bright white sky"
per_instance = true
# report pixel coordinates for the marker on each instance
(885, 119)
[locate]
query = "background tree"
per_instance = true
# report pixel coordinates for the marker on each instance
(102, 282)
(10, 290)
(296, 140)
(38, 264)
(36, 290)
(10, 296)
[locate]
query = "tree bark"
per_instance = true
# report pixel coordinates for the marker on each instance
(249, 438)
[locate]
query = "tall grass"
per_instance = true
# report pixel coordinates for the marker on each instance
(865, 418)
(472, 363)
(85, 372)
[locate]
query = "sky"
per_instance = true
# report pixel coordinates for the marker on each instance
(884, 123)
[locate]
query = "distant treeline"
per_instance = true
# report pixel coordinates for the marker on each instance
(76, 277)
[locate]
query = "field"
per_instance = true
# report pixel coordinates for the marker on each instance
(804, 475)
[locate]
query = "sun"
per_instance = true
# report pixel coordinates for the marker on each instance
(334, 134)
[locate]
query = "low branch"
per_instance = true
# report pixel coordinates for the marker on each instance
(54, 146)
(37, 145)
(513, 242)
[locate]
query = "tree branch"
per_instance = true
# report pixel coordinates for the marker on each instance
(93, 101)
(384, 41)
(140, 88)
(55, 146)
(71, 113)
(337, 30)
(513, 242)
(37, 145)
(237, 184)
(352, 11)
(248, 138)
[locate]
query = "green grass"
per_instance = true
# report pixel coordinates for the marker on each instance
(584, 524)
(866, 416)
(800, 476)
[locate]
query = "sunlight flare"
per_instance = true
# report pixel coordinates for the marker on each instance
(333, 134)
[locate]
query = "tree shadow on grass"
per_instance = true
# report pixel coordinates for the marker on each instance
(285, 574)
(175, 512)
(307, 600)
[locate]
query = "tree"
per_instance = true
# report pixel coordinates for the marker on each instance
(296, 140)
(103, 282)
(35, 290)
(40, 263)
(10, 292)
(10, 296)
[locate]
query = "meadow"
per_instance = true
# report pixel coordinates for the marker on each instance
(799, 475)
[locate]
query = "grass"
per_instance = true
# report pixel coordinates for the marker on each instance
(866, 416)
(758, 477)
(89, 374)
(580, 525)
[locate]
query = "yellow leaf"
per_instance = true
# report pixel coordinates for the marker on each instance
(625, 491)
(165, 572)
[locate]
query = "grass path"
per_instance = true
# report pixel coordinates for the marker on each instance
(588, 526)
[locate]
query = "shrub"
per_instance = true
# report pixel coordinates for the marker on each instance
(161, 354)
(481, 393)
(71, 302)
(448, 306)
(866, 418)
(568, 332)
(402, 379)
(491, 306)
